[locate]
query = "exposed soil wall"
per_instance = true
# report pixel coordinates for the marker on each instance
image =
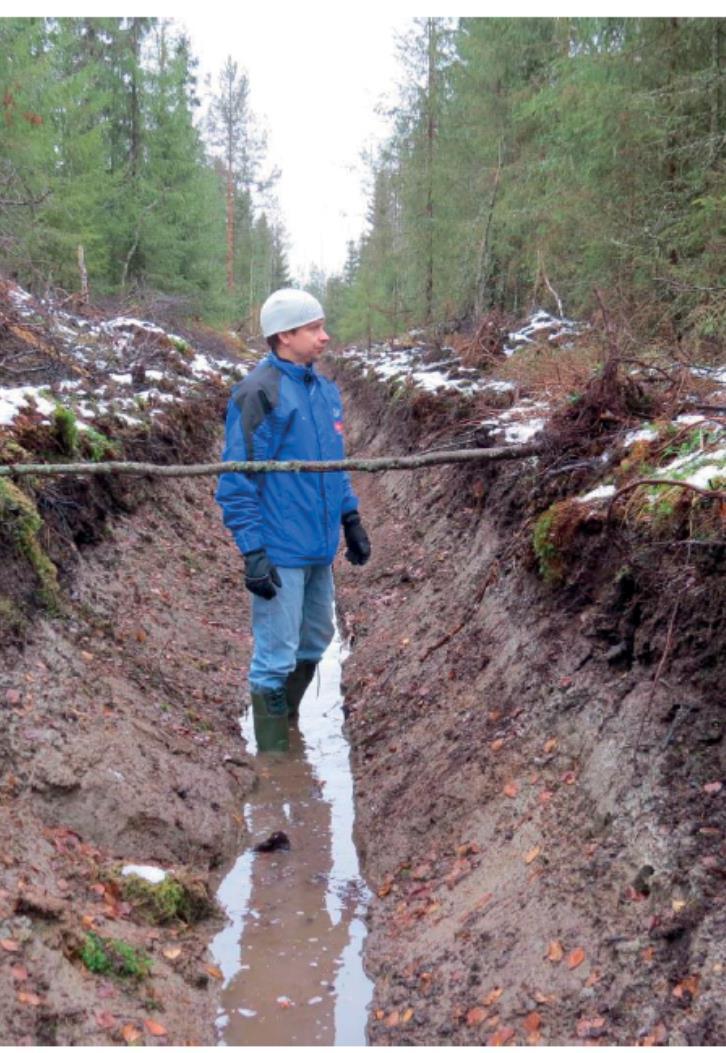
(120, 743)
(537, 785)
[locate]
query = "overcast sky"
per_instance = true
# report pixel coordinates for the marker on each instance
(315, 82)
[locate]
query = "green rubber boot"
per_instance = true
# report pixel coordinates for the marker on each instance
(297, 684)
(269, 710)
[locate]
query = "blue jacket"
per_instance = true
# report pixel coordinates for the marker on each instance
(285, 412)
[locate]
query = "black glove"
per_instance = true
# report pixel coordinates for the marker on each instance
(261, 576)
(358, 546)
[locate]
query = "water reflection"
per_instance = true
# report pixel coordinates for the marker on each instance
(291, 953)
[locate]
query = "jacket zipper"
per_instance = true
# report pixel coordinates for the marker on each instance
(309, 379)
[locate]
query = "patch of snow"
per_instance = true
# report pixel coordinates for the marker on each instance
(499, 385)
(200, 364)
(522, 432)
(132, 323)
(645, 434)
(12, 400)
(121, 378)
(154, 875)
(689, 418)
(598, 494)
(707, 472)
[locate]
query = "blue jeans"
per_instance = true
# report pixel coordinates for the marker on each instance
(298, 624)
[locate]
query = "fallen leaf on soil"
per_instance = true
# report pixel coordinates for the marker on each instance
(477, 1015)
(379, 1014)
(678, 905)
(87, 921)
(545, 796)
(393, 1019)
(534, 777)
(483, 901)
(172, 953)
(555, 951)
(214, 972)
(155, 1028)
(687, 986)
(130, 1034)
(494, 995)
(550, 745)
(19, 972)
(86, 656)
(544, 999)
(385, 888)
(459, 870)
(593, 978)
(496, 745)
(408, 1015)
(501, 1036)
(575, 958)
(529, 857)
(105, 1020)
(647, 954)
(511, 789)
(633, 894)
(657, 1037)
(712, 787)
(469, 848)
(590, 1028)
(569, 777)
(532, 1022)
(12, 696)
(28, 998)
(10, 946)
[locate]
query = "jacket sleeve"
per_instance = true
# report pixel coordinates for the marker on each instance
(247, 438)
(350, 499)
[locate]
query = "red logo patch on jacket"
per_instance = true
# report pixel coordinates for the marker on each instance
(338, 425)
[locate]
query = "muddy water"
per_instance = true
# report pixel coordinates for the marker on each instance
(291, 952)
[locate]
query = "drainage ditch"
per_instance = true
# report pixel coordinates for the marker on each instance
(291, 952)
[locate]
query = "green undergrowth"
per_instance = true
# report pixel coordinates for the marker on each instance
(114, 957)
(20, 523)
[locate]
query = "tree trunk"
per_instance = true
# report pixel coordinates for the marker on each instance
(430, 137)
(230, 229)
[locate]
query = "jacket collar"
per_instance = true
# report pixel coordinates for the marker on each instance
(292, 369)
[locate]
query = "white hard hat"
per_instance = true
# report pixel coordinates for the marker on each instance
(287, 309)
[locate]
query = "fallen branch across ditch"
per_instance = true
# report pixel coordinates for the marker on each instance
(378, 464)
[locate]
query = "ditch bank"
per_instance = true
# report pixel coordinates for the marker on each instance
(536, 763)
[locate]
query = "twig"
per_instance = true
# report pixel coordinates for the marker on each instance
(489, 580)
(380, 464)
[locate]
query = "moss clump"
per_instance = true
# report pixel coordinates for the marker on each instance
(114, 957)
(97, 446)
(20, 523)
(544, 547)
(182, 346)
(65, 430)
(12, 619)
(552, 536)
(168, 900)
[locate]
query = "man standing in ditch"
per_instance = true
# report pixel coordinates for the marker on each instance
(287, 524)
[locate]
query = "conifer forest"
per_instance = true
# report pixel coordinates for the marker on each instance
(529, 160)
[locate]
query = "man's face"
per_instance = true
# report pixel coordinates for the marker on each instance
(305, 345)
